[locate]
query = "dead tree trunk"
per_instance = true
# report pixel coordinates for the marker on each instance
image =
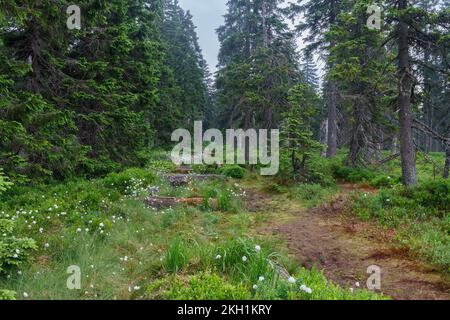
(407, 150)
(332, 121)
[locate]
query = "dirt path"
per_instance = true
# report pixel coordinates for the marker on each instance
(327, 238)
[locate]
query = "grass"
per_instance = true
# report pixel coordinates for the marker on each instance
(312, 195)
(126, 250)
(420, 215)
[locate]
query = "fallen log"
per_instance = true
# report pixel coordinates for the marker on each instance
(183, 169)
(183, 179)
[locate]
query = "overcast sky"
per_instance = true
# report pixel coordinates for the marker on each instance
(208, 16)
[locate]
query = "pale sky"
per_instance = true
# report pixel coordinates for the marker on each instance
(208, 16)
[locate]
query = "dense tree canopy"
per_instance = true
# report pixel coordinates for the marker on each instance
(91, 100)
(94, 99)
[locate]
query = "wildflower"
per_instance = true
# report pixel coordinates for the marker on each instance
(41, 230)
(19, 272)
(46, 245)
(17, 251)
(291, 280)
(261, 279)
(257, 248)
(25, 295)
(78, 229)
(351, 290)
(218, 257)
(101, 224)
(15, 256)
(137, 288)
(244, 259)
(357, 284)
(255, 287)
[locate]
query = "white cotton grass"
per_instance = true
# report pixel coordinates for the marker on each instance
(244, 258)
(255, 287)
(218, 257)
(291, 280)
(305, 289)
(261, 279)
(257, 248)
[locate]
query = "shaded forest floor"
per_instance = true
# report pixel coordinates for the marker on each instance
(329, 238)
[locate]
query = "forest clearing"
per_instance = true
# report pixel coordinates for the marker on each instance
(127, 249)
(250, 150)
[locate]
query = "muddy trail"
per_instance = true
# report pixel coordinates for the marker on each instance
(330, 239)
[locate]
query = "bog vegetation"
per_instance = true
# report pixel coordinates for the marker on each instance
(86, 118)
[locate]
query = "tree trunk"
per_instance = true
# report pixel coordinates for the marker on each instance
(264, 25)
(407, 149)
(324, 136)
(332, 121)
(378, 152)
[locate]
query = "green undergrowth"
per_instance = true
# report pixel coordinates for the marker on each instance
(421, 216)
(127, 250)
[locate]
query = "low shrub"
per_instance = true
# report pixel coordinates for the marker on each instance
(126, 179)
(161, 166)
(432, 194)
(207, 286)
(205, 169)
(385, 181)
(13, 251)
(342, 172)
(233, 171)
(4, 183)
(7, 295)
